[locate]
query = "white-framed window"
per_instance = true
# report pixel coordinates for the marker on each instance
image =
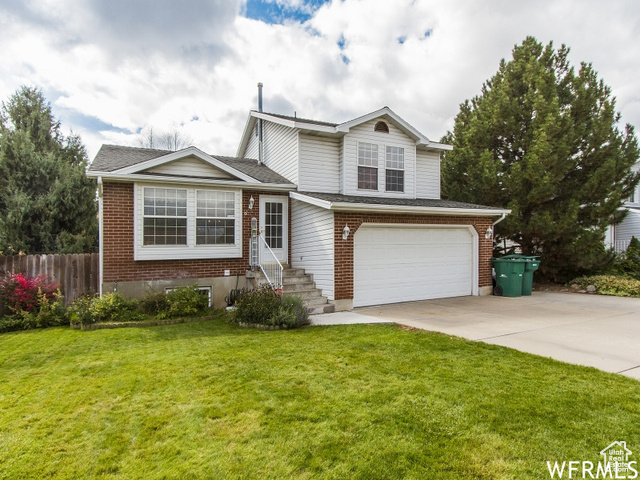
(203, 289)
(165, 216)
(394, 171)
(172, 223)
(367, 166)
(215, 217)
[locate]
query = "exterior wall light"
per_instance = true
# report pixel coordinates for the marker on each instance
(489, 233)
(345, 232)
(251, 202)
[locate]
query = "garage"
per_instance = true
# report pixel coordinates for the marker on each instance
(406, 263)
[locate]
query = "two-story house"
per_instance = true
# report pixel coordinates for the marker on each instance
(356, 205)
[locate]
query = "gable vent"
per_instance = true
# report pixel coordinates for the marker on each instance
(381, 127)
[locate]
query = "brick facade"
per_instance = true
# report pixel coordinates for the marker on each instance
(118, 242)
(343, 268)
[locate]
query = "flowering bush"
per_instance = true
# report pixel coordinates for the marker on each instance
(19, 293)
(30, 303)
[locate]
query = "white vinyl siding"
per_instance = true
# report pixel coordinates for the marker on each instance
(190, 167)
(319, 169)
(630, 227)
(191, 250)
(312, 244)
(396, 138)
(281, 150)
(427, 174)
(252, 146)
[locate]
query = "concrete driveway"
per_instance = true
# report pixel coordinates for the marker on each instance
(592, 330)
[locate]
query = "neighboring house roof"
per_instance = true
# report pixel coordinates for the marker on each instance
(333, 201)
(337, 129)
(116, 159)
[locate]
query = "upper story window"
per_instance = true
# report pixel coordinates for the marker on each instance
(215, 217)
(394, 172)
(165, 216)
(367, 166)
(381, 127)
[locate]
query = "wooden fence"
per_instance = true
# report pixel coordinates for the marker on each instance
(76, 274)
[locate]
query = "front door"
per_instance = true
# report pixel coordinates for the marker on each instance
(274, 224)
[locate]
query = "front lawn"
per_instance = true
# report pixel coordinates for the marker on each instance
(212, 400)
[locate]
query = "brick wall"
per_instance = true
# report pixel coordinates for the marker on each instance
(344, 249)
(119, 265)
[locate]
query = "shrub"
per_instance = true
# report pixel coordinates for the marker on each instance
(19, 293)
(291, 313)
(79, 312)
(154, 302)
(114, 307)
(611, 285)
(30, 303)
(185, 302)
(628, 263)
(256, 306)
(263, 306)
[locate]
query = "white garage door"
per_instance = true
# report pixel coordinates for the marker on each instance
(402, 264)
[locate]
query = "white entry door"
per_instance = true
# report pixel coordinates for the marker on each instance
(274, 224)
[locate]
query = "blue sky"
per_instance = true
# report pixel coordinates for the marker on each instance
(111, 69)
(280, 12)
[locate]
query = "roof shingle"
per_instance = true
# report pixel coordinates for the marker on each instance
(114, 157)
(405, 202)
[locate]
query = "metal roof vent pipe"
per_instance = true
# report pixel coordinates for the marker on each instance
(260, 146)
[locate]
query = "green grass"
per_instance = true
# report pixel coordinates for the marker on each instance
(211, 400)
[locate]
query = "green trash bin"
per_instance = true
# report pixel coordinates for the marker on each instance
(532, 263)
(509, 274)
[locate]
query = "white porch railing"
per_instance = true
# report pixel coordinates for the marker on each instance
(260, 255)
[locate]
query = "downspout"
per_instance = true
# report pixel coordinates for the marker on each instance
(500, 219)
(100, 235)
(260, 151)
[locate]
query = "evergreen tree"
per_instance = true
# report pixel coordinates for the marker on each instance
(47, 204)
(543, 140)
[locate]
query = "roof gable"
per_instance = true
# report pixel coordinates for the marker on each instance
(119, 161)
(337, 129)
(190, 166)
(182, 154)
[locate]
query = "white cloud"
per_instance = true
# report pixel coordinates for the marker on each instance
(196, 64)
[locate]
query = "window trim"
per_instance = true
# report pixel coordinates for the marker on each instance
(191, 250)
(387, 168)
(156, 216)
(198, 217)
(376, 167)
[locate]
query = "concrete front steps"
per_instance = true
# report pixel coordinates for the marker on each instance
(295, 281)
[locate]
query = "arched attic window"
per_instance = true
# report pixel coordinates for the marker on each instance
(381, 127)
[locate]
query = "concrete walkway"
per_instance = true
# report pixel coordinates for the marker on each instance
(592, 330)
